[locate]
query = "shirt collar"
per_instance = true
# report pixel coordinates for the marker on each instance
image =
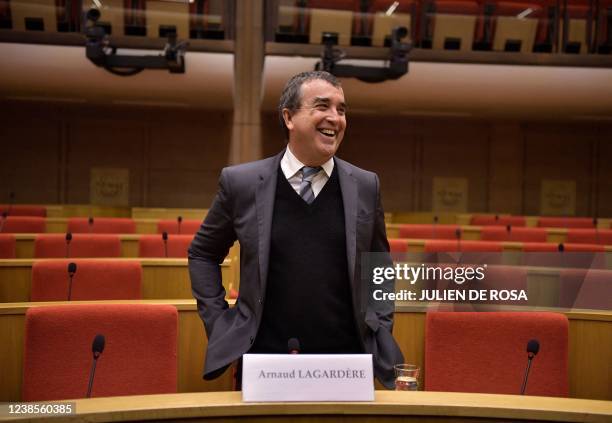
(290, 165)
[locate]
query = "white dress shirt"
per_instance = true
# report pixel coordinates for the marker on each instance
(292, 169)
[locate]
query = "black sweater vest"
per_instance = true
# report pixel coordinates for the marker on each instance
(308, 293)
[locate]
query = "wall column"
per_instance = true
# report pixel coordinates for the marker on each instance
(248, 73)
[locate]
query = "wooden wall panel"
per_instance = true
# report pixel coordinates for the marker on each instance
(456, 149)
(92, 143)
(558, 152)
(29, 159)
(175, 156)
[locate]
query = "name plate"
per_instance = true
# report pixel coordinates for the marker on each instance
(307, 377)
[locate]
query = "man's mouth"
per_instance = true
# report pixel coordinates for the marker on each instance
(327, 132)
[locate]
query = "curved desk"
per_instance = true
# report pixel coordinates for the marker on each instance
(388, 406)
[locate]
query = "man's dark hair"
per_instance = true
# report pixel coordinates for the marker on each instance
(291, 97)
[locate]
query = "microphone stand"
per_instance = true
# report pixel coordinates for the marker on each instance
(529, 358)
(91, 374)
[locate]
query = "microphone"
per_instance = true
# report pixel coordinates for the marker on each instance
(434, 227)
(96, 347)
(596, 230)
(179, 220)
(90, 223)
(533, 346)
(4, 217)
(68, 240)
(508, 230)
(561, 247)
(72, 268)
(293, 346)
(458, 236)
(165, 238)
(496, 217)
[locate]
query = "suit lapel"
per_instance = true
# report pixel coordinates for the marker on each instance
(264, 200)
(348, 185)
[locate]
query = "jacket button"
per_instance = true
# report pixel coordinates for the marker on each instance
(259, 300)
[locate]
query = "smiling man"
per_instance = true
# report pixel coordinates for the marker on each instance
(303, 219)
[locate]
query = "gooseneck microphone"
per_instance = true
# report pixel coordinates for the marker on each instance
(72, 268)
(293, 346)
(165, 239)
(4, 217)
(596, 230)
(90, 223)
(68, 239)
(179, 220)
(458, 236)
(533, 346)
(434, 227)
(96, 347)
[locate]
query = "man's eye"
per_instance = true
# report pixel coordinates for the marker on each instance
(321, 106)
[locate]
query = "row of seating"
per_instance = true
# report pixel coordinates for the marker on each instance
(506, 234)
(402, 245)
(193, 19)
(99, 225)
(544, 222)
(500, 25)
(97, 245)
(140, 351)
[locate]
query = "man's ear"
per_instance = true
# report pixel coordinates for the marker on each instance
(288, 118)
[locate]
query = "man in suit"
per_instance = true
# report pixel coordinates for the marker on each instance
(303, 219)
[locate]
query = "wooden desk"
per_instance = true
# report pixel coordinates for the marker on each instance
(388, 406)
(161, 278)
(590, 348)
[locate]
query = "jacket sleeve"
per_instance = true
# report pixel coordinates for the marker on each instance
(380, 245)
(209, 248)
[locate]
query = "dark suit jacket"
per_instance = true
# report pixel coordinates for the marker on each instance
(243, 210)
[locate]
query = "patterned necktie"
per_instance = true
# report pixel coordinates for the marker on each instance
(306, 191)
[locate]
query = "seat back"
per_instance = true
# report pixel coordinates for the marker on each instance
(7, 246)
(424, 231)
(93, 280)
(500, 233)
(566, 222)
(171, 226)
(153, 246)
(398, 245)
(101, 225)
(23, 224)
(486, 352)
(444, 246)
(82, 245)
(589, 236)
(23, 210)
(488, 220)
(139, 358)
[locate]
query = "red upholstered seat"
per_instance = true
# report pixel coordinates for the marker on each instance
(398, 245)
(566, 222)
(486, 352)
(23, 224)
(583, 248)
(7, 246)
(589, 236)
(93, 280)
(171, 226)
(82, 245)
(501, 233)
(488, 220)
(420, 231)
(153, 246)
(102, 225)
(23, 210)
(585, 288)
(139, 358)
(444, 246)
